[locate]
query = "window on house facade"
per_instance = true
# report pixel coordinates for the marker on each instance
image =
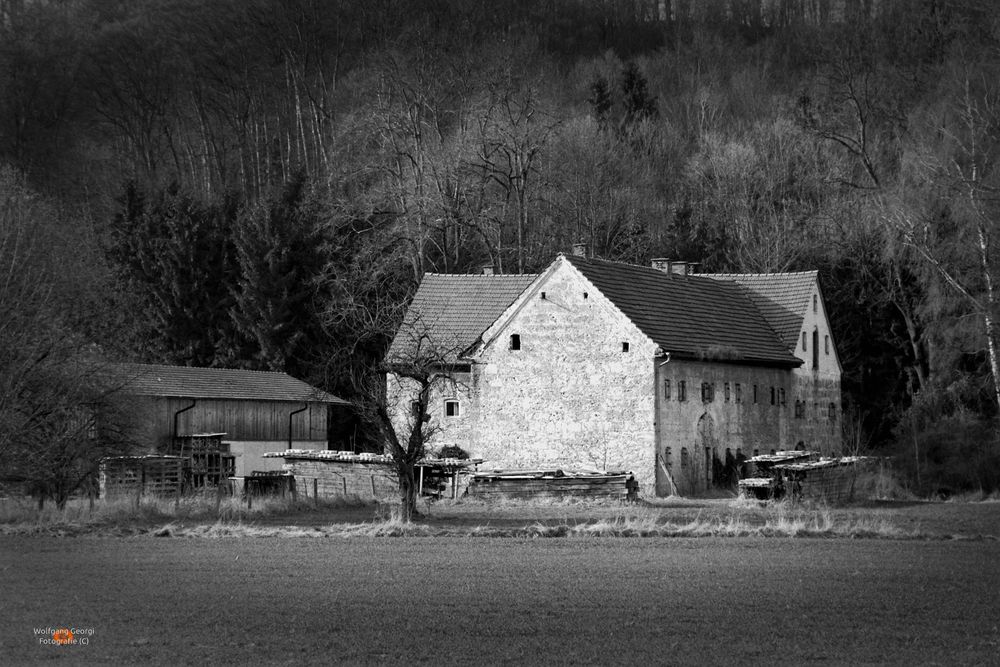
(684, 457)
(773, 396)
(815, 349)
(515, 341)
(826, 344)
(781, 396)
(815, 303)
(707, 392)
(451, 408)
(739, 393)
(624, 346)
(799, 409)
(756, 452)
(725, 392)
(804, 347)
(585, 295)
(668, 457)
(681, 390)
(832, 412)
(543, 296)
(666, 390)
(755, 394)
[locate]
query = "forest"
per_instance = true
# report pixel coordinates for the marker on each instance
(262, 184)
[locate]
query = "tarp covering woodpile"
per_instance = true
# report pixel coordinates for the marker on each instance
(803, 476)
(548, 484)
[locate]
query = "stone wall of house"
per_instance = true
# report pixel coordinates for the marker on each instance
(338, 479)
(742, 410)
(570, 397)
(817, 425)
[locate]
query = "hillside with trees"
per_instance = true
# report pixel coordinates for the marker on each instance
(262, 184)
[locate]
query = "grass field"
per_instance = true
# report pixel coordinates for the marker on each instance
(496, 600)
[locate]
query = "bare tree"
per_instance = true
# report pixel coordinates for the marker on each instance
(948, 212)
(58, 414)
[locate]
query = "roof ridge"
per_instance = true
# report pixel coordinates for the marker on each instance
(771, 273)
(482, 275)
(209, 368)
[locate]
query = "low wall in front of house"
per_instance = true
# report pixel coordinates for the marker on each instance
(342, 479)
(250, 453)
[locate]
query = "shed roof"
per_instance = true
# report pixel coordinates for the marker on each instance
(782, 298)
(689, 316)
(453, 310)
(219, 383)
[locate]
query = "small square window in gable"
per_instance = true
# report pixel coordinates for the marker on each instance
(625, 346)
(515, 341)
(452, 408)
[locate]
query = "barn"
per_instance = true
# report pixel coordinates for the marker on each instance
(252, 412)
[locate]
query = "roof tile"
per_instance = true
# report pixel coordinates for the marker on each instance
(691, 316)
(782, 298)
(455, 310)
(220, 383)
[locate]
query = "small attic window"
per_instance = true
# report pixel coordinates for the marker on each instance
(826, 344)
(815, 303)
(543, 296)
(624, 346)
(515, 341)
(804, 348)
(585, 295)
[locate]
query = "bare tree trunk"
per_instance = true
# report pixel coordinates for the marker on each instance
(988, 321)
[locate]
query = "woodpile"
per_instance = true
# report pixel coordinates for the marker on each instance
(548, 484)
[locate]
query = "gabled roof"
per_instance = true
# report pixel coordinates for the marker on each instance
(453, 310)
(218, 383)
(782, 298)
(689, 316)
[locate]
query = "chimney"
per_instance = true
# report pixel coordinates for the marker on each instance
(661, 264)
(487, 269)
(580, 250)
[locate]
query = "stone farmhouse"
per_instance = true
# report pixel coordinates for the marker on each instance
(597, 364)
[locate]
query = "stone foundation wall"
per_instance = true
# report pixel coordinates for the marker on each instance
(339, 479)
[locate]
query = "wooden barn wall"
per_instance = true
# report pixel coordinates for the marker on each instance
(239, 420)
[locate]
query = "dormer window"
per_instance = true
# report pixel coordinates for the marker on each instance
(515, 341)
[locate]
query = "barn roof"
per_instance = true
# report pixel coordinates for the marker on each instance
(219, 383)
(782, 298)
(453, 310)
(689, 316)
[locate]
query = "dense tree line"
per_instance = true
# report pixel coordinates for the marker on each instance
(262, 184)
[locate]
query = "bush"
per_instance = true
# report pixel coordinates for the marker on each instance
(952, 454)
